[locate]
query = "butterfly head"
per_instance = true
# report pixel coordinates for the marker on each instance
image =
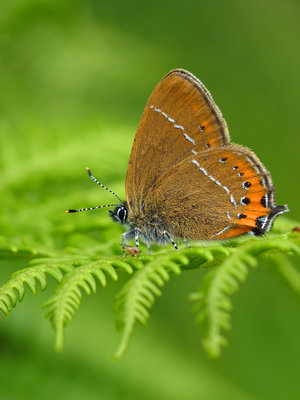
(119, 214)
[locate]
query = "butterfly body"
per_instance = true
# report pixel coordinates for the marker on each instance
(149, 223)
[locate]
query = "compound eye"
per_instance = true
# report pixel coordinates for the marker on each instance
(122, 214)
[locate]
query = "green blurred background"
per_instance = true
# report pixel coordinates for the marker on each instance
(74, 79)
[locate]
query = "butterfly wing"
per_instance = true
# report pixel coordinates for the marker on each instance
(215, 194)
(179, 115)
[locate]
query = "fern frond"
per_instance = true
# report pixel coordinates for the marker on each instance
(204, 256)
(13, 290)
(288, 271)
(9, 249)
(138, 295)
(66, 300)
(79, 272)
(213, 302)
(212, 299)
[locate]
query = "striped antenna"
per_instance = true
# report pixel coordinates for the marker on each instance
(100, 184)
(91, 208)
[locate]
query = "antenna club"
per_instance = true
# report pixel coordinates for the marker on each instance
(88, 171)
(67, 211)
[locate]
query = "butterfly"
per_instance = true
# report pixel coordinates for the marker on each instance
(185, 180)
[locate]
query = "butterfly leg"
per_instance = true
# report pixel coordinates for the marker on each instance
(187, 245)
(165, 233)
(148, 248)
(123, 243)
(136, 236)
(124, 239)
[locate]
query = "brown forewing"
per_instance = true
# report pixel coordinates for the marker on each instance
(179, 116)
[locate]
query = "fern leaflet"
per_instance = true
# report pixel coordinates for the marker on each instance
(288, 271)
(213, 303)
(79, 272)
(13, 290)
(138, 295)
(66, 300)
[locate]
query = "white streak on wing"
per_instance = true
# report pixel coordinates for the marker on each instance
(272, 199)
(228, 215)
(263, 221)
(189, 138)
(264, 224)
(179, 127)
(232, 200)
(176, 126)
(223, 230)
(270, 218)
(267, 200)
(263, 182)
(194, 152)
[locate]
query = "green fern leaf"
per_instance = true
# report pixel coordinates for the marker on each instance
(66, 300)
(212, 301)
(13, 290)
(79, 272)
(11, 250)
(287, 270)
(138, 295)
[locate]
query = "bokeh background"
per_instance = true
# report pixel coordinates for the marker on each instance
(74, 79)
